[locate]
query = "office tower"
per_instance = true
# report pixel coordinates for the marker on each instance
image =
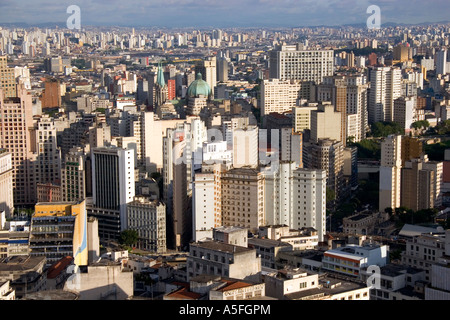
(51, 96)
(148, 218)
(404, 112)
(15, 124)
(207, 68)
(417, 186)
(295, 197)
(48, 162)
(441, 62)
(427, 63)
(350, 60)
(207, 200)
(309, 200)
(385, 87)
(334, 90)
(350, 169)
(327, 154)
(73, 175)
(291, 146)
(243, 198)
(6, 183)
(390, 172)
(401, 52)
(438, 168)
(245, 147)
(177, 179)
(7, 78)
(326, 123)
(302, 117)
(222, 69)
(59, 230)
(411, 148)
(282, 95)
(112, 188)
(291, 62)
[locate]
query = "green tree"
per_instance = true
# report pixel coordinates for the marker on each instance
(128, 237)
(383, 129)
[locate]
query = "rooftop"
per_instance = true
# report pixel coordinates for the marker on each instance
(220, 246)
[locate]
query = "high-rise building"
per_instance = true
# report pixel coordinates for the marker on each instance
(327, 154)
(417, 188)
(282, 95)
(48, 162)
(326, 123)
(112, 188)
(243, 198)
(207, 201)
(292, 62)
(349, 96)
(16, 137)
(441, 62)
(390, 172)
(6, 183)
(404, 112)
(385, 87)
(302, 117)
(148, 218)
(51, 96)
(74, 175)
(222, 69)
(7, 78)
(245, 147)
(59, 230)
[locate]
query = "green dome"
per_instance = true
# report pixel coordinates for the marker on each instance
(198, 87)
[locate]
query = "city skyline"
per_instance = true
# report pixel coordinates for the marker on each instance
(212, 13)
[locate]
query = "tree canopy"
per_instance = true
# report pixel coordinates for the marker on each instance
(385, 128)
(128, 237)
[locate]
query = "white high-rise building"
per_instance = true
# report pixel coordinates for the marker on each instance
(281, 95)
(6, 183)
(390, 172)
(296, 197)
(113, 187)
(293, 62)
(385, 87)
(245, 147)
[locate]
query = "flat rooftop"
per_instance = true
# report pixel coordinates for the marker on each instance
(220, 246)
(267, 242)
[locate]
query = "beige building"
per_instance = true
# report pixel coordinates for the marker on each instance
(243, 198)
(218, 258)
(282, 95)
(326, 123)
(302, 117)
(148, 218)
(103, 280)
(16, 137)
(73, 175)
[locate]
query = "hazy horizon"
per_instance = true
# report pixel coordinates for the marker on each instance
(222, 14)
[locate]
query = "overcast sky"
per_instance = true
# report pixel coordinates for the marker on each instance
(223, 13)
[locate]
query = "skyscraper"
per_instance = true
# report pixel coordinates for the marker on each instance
(7, 79)
(112, 188)
(15, 136)
(390, 172)
(292, 62)
(385, 87)
(441, 62)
